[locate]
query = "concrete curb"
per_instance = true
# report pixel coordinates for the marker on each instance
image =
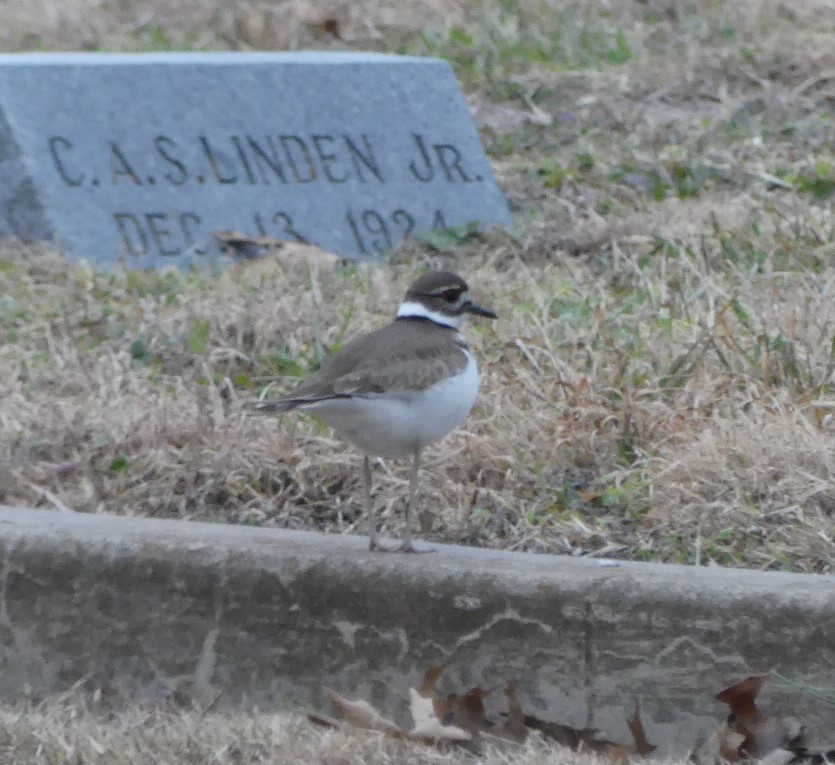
(139, 607)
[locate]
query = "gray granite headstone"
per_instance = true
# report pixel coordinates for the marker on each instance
(140, 157)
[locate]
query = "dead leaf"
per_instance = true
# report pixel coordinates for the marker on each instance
(330, 26)
(741, 697)
(515, 726)
(722, 744)
(574, 738)
(761, 734)
(293, 253)
(363, 715)
(427, 689)
(427, 725)
(618, 754)
(465, 711)
(468, 711)
(240, 245)
(323, 22)
(238, 238)
(730, 743)
(430, 677)
(324, 722)
(287, 253)
(639, 736)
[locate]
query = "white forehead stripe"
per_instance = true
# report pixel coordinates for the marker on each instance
(413, 308)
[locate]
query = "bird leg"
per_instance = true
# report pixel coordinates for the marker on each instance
(374, 543)
(373, 540)
(407, 545)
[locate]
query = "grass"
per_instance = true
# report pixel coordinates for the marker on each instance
(652, 406)
(70, 733)
(659, 385)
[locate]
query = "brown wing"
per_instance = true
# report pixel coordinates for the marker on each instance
(405, 355)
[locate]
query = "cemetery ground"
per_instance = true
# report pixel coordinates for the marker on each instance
(52, 734)
(658, 386)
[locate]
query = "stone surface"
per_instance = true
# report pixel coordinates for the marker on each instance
(141, 607)
(143, 156)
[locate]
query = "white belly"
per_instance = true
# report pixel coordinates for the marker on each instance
(394, 426)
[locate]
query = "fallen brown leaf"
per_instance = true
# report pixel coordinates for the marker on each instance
(430, 677)
(574, 738)
(741, 697)
(639, 736)
(618, 754)
(730, 743)
(515, 726)
(721, 745)
(323, 721)
(295, 253)
(237, 239)
(468, 711)
(326, 26)
(428, 690)
(427, 725)
(465, 711)
(363, 715)
(747, 732)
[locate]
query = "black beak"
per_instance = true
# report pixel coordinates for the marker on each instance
(478, 310)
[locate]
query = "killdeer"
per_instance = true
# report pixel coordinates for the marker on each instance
(397, 389)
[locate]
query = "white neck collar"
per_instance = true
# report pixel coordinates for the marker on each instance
(413, 309)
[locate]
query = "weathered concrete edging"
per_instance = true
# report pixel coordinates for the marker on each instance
(138, 606)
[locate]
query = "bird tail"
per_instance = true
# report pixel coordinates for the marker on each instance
(276, 406)
(279, 405)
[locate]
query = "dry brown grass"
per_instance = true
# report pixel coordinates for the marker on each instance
(215, 24)
(660, 382)
(58, 733)
(604, 427)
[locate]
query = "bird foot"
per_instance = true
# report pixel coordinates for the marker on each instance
(407, 546)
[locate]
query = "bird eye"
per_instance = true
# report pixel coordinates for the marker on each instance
(451, 295)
